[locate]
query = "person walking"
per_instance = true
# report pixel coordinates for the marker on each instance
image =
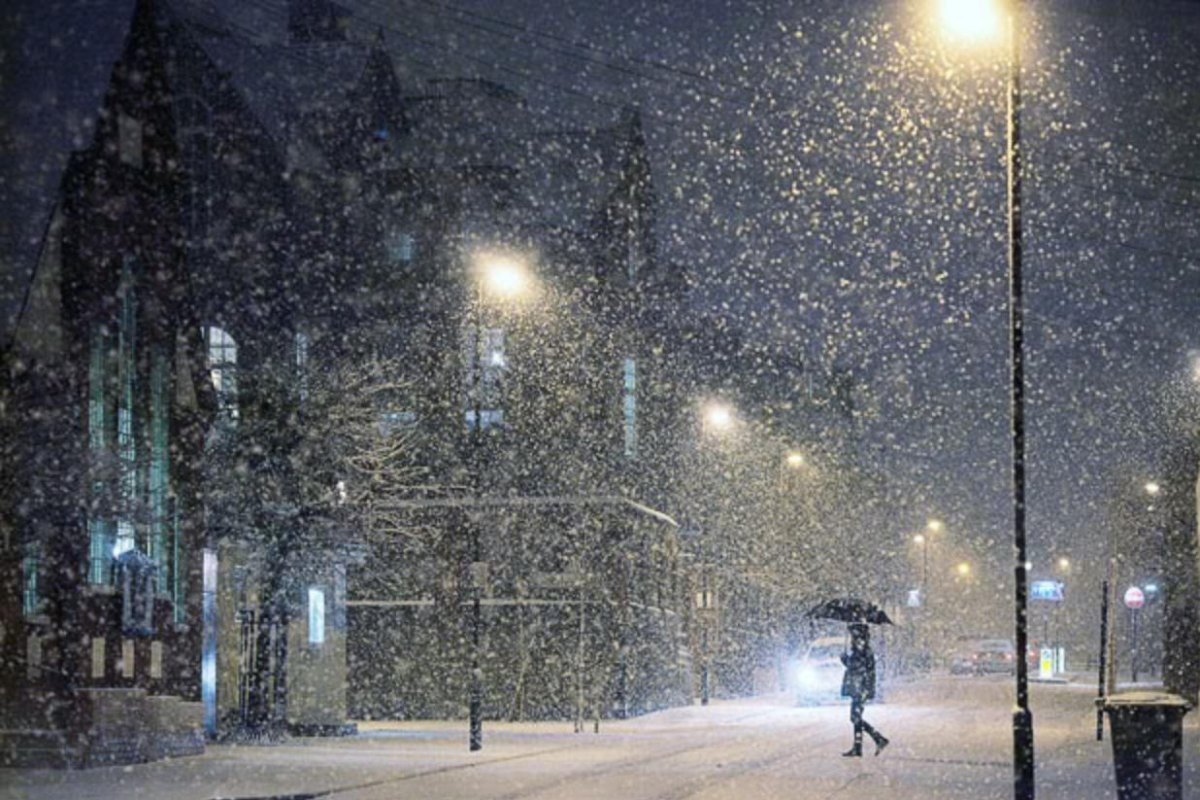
(859, 685)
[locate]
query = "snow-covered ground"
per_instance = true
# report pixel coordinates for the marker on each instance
(951, 738)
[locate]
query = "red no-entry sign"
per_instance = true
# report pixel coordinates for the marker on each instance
(1134, 597)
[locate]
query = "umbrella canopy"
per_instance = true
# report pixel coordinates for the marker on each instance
(850, 609)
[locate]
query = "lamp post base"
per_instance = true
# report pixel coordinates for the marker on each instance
(1022, 754)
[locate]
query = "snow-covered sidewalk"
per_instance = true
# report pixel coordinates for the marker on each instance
(950, 739)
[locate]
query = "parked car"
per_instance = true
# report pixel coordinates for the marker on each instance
(983, 657)
(817, 673)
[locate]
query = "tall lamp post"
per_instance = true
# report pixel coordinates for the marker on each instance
(504, 276)
(717, 419)
(977, 19)
(1023, 787)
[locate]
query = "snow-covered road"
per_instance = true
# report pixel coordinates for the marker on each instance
(950, 739)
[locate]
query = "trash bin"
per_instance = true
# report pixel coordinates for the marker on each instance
(1147, 742)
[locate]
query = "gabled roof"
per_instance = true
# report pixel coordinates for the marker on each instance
(50, 95)
(286, 85)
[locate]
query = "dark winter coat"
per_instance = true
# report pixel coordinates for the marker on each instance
(859, 680)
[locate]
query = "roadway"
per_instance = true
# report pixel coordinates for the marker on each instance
(950, 739)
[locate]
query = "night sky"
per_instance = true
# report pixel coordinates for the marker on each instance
(830, 173)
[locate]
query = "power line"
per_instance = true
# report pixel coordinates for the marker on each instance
(582, 45)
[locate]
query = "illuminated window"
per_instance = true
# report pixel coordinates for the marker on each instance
(127, 383)
(395, 421)
(101, 432)
(630, 408)
(30, 597)
(222, 368)
(301, 343)
(487, 366)
(400, 246)
(316, 615)
(161, 528)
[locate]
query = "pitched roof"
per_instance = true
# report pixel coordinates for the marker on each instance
(51, 93)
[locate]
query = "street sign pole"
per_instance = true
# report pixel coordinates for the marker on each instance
(1133, 654)
(1135, 598)
(1103, 653)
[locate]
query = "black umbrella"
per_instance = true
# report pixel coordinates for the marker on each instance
(850, 609)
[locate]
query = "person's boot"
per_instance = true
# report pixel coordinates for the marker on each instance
(881, 742)
(856, 750)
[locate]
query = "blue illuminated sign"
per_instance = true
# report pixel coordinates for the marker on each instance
(1046, 590)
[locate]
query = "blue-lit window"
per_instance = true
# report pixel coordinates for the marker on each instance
(301, 357)
(316, 615)
(629, 407)
(487, 364)
(101, 433)
(222, 369)
(30, 598)
(400, 246)
(395, 421)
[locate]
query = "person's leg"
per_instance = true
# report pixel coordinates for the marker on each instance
(880, 740)
(856, 710)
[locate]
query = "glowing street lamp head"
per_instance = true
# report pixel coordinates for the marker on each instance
(1152, 488)
(963, 569)
(934, 525)
(971, 20)
(1064, 564)
(718, 416)
(795, 460)
(501, 274)
(919, 539)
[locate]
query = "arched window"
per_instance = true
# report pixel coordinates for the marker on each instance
(222, 368)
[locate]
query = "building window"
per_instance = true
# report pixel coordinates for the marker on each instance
(301, 354)
(222, 368)
(395, 421)
(161, 527)
(178, 584)
(400, 246)
(492, 418)
(129, 140)
(30, 598)
(629, 408)
(127, 375)
(101, 432)
(487, 365)
(316, 615)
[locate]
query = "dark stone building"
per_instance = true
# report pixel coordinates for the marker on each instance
(253, 216)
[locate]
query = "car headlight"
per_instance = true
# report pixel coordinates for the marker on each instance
(807, 677)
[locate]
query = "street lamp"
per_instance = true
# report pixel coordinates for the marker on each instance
(795, 460)
(963, 569)
(501, 275)
(718, 417)
(975, 19)
(1152, 488)
(934, 526)
(972, 20)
